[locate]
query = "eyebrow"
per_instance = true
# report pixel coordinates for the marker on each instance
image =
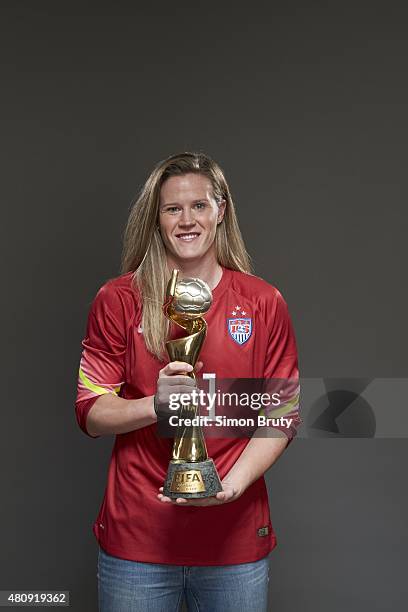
(177, 203)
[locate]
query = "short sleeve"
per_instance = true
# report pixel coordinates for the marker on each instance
(102, 364)
(282, 363)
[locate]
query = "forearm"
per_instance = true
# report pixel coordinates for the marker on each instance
(258, 456)
(111, 414)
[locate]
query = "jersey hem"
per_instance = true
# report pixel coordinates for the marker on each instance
(161, 559)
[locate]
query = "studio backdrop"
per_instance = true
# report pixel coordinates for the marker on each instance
(304, 107)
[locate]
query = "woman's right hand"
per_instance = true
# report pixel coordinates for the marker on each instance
(173, 379)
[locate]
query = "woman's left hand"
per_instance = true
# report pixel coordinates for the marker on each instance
(230, 492)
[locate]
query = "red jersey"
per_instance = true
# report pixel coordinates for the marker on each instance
(249, 336)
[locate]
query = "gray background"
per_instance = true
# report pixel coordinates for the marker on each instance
(304, 105)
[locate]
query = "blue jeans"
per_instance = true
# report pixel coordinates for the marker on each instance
(130, 586)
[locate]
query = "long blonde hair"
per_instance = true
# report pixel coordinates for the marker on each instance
(144, 252)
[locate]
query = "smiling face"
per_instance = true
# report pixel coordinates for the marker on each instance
(188, 217)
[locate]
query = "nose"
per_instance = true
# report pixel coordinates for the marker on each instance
(187, 217)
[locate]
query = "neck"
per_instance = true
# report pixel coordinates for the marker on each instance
(206, 268)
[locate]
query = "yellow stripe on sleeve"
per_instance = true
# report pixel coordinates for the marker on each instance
(285, 409)
(95, 388)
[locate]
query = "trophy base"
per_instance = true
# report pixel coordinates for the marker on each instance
(192, 480)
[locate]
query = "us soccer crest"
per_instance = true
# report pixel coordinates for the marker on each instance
(240, 329)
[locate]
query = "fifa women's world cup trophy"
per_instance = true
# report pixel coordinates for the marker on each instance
(191, 473)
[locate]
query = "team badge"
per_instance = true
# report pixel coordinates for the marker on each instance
(240, 328)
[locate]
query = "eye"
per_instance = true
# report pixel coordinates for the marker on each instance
(171, 210)
(200, 205)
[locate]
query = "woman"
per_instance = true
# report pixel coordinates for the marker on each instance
(153, 549)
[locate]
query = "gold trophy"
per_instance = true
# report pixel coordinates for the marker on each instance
(191, 474)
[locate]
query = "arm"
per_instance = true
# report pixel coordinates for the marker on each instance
(102, 365)
(257, 457)
(114, 415)
(102, 372)
(267, 443)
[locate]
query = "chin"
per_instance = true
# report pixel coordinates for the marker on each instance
(189, 256)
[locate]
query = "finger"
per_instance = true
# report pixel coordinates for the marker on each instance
(175, 397)
(221, 496)
(171, 402)
(181, 389)
(164, 499)
(226, 495)
(209, 501)
(171, 381)
(180, 501)
(175, 367)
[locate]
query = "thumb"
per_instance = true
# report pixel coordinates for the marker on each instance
(198, 366)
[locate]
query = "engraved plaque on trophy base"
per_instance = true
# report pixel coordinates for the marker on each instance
(192, 480)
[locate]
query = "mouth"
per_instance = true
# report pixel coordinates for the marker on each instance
(188, 237)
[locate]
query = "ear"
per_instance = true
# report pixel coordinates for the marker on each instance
(221, 210)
